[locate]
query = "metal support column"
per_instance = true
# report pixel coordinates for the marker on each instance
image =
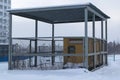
(102, 41)
(30, 46)
(86, 38)
(94, 41)
(36, 36)
(106, 42)
(106, 30)
(30, 50)
(102, 29)
(10, 43)
(53, 45)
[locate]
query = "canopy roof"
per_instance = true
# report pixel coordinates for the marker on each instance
(61, 14)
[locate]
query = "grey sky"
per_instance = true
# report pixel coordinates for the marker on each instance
(110, 7)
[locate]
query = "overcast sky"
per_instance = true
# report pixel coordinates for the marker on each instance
(109, 7)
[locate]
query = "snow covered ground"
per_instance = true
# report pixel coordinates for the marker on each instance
(110, 72)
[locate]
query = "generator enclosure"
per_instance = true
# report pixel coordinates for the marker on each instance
(75, 45)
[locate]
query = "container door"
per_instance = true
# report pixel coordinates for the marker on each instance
(71, 50)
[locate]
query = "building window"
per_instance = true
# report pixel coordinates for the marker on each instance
(0, 34)
(5, 14)
(4, 21)
(4, 34)
(9, 1)
(1, 13)
(0, 20)
(5, 1)
(5, 7)
(0, 26)
(1, 0)
(8, 7)
(2, 41)
(1, 7)
(5, 27)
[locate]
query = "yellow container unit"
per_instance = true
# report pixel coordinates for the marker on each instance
(75, 45)
(98, 47)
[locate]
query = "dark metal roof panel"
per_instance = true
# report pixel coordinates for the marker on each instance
(98, 10)
(13, 11)
(59, 14)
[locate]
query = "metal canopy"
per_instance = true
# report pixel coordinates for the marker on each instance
(61, 14)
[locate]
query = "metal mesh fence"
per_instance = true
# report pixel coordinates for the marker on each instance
(23, 48)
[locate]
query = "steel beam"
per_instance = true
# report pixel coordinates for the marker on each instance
(86, 37)
(10, 43)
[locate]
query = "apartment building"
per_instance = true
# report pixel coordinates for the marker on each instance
(4, 21)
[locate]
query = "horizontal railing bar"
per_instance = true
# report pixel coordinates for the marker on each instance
(48, 37)
(54, 37)
(58, 54)
(47, 54)
(90, 54)
(35, 39)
